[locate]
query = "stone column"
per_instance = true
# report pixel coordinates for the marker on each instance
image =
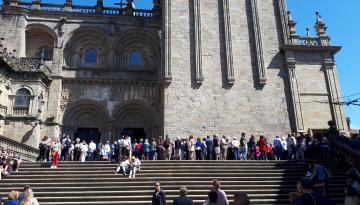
(334, 95)
(197, 41)
(166, 39)
(295, 95)
(228, 42)
(258, 42)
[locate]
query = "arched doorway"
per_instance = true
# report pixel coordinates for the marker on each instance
(86, 120)
(136, 119)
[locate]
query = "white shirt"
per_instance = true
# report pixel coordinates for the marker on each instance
(92, 146)
(235, 143)
(127, 143)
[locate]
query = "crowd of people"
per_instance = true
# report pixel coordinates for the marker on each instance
(306, 194)
(26, 197)
(8, 163)
(292, 147)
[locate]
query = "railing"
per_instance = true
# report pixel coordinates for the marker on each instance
(20, 111)
(52, 7)
(87, 9)
(343, 148)
(25, 152)
(3, 110)
(305, 41)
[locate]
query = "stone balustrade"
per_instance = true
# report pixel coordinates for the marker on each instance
(20, 111)
(13, 147)
(81, 9)
(344, 150)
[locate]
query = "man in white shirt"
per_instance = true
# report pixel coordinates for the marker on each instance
(236, 147)
(278, 148)
(127, 145)
(92, 148)
(221, 199)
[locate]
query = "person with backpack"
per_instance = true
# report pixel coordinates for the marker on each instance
(320, 177)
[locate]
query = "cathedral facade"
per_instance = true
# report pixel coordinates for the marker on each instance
(184, 67)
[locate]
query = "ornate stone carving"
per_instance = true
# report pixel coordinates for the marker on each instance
(121, 91)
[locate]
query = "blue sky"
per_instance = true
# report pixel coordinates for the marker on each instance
(343, 20)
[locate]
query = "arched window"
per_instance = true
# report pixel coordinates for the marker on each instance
(22, 98)
(91, 56)
(136, 58)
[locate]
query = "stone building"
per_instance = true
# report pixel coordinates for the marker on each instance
(184, 67)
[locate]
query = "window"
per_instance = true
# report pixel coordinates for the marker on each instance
(22, 98)
(136, 58)
(45, 54)
(91, 56)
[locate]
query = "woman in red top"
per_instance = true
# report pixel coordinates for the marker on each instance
(262, 147)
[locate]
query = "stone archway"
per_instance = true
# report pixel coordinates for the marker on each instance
(87, 120)
(136, 115)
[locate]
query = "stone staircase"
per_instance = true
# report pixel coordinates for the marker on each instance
(73, 183)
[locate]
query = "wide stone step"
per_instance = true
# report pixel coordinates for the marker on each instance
(74, 183)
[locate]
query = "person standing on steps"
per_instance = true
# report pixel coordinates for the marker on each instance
(308, 196)
(55, 149)
(221, 195)
(159, 197)
(241, 199)
(183, 199)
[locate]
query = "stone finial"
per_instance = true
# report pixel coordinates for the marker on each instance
(14, 3)
(292, 28)
(157, 8)
(68, 5)
(129, 9)
(321, 28)
(99, 6)
(36, 4)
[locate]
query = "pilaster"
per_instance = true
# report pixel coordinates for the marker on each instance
(228, 42)
(166, 36)
(258, 42)
(334, 95)
(295, 94)
(197, 42)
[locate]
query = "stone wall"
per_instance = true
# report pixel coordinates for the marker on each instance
(215, 106)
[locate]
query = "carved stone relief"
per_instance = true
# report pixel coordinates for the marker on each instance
(148, 92)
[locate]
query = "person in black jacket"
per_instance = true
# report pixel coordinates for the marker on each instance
(308, 196)
(183, 199)
(159, 197)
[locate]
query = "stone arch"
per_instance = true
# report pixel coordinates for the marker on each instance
(82, 39)
(40, 38)
(86, 114)
(136, 114)
(144, 42)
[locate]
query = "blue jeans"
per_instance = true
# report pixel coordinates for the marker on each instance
(236, 153)
(243, 153)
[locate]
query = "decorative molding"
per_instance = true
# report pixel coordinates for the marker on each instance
(258, 42)
(228, 43)
(198, 50)
(295, 94)
(167, 41)
(334, 94)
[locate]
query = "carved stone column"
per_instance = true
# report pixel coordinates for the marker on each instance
(166, 38)
(258, 42)
(228, 42)
(295, 95)
(334, 95)
(197, 41)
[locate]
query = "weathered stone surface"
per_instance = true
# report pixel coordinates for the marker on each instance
(168, 93)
